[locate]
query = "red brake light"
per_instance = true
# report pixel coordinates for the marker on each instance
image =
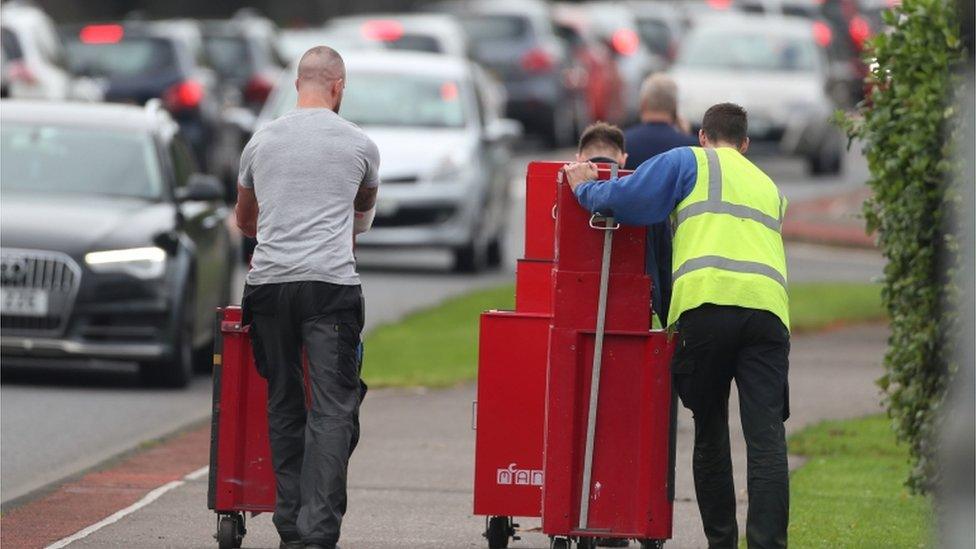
(183, 95)
(822, 33)
(537, 60)
(257, 89)
(383, 30)
(860, 30)
(625, 41)
(449, 91)
(719, 4)
(101, 34)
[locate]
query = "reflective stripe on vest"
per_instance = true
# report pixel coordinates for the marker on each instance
(726, 264)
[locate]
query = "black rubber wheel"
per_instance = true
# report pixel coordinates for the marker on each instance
(499, 531)
(178, 371)
(230, 531)
(471, 258)
(495, 252)
(560, 543)
(586, 543)
(652, 543)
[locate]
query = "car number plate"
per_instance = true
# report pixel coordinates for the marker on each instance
(23, 302)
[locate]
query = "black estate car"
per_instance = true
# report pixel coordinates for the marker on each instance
(112, 245)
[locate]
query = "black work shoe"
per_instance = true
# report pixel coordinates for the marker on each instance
(297, 544)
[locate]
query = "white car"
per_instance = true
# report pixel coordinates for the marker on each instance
(773, 67)
(34, 63)
(445, 158)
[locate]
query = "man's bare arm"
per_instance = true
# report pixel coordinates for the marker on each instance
(247, 211)
(365, 198)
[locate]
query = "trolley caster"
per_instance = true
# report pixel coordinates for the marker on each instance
(652, 543)
(230, 531)
(498, 530)
(559, 543)
(586, 543)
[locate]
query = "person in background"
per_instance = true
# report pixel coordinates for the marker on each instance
(730, 305)
(308, 184)
(657, 133)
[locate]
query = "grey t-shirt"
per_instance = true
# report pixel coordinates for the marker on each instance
(306, 168)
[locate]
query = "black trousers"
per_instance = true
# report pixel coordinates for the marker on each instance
(716, 345)
(310, 445)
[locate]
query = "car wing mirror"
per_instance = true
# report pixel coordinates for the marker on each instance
(201, 188)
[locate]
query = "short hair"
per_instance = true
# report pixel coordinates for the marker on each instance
(321, 64)
(726, 122)
(601, 133)
(659, 93)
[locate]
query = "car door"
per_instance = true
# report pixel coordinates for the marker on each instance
(203, 225)
(495, 156)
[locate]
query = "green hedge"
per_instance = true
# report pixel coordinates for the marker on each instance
(908, 126)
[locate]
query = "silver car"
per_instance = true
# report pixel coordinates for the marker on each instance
(774, 68)
(445, 152)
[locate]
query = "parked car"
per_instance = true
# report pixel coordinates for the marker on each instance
(142, 60)
(774, 68)
(661, 25)
(243, 52)
(428, 32)
(34, 65)
(516, 42)
(445, 151)
(292, 43)
(615, 23)
(113, 245)
(595, 72)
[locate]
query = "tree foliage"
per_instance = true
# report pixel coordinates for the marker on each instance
(908, 126)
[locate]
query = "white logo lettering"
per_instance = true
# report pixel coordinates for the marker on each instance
(520, 477)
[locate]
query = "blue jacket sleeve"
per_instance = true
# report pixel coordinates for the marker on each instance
(648, 195)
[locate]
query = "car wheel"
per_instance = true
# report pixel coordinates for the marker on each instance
(470, 258)
(563, 125)
(826, 160)
(495, 252)
(178, 371)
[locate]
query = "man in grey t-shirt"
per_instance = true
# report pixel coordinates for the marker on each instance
(308, 183)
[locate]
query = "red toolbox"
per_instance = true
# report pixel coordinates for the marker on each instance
(533, 384)
(241, 475)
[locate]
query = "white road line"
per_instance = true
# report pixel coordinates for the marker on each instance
(119, 515)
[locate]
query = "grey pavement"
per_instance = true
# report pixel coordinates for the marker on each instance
(411, 478)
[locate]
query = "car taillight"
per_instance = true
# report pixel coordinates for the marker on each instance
(720, 4)
(101, 34)
(822, 33)
(183, 96)
(382, 30)
(257, 89)
(537, 60)
(625, 41)
(860, 30)
(17, 71)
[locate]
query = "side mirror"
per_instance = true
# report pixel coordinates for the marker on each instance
(201, 188)
(241, 118)
(502, 130)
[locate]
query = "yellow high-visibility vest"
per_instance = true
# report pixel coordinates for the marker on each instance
(728, 247)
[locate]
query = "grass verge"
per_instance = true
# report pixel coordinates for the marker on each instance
(851, 491)
(439, 346)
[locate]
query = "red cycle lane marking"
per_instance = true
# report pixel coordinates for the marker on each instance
(79, 503)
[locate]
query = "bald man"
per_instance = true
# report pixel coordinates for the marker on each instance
(308, 183)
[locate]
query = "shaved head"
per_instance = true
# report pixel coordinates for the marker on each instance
(321, 78)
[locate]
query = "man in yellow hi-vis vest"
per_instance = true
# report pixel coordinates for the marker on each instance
(730, 306)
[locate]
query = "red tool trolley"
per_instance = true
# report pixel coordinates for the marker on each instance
(535, 364)
(241, 475)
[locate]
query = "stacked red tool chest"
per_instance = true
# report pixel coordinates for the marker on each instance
(534, 385)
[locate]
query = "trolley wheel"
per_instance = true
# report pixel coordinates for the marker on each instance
(586, 543)
(559, 543)
(498, 530)
(230, 531)
(652, 543)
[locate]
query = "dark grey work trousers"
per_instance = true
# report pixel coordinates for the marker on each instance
(312, 435)
(716, 345)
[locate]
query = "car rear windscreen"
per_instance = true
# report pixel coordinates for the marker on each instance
(128, 57)
(716, 48)
(656, 34)
(228, 55)
(91, 161)
(388, 99)
(11, 47)
(495, 28)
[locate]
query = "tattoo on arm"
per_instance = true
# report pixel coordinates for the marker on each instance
(365, 198)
